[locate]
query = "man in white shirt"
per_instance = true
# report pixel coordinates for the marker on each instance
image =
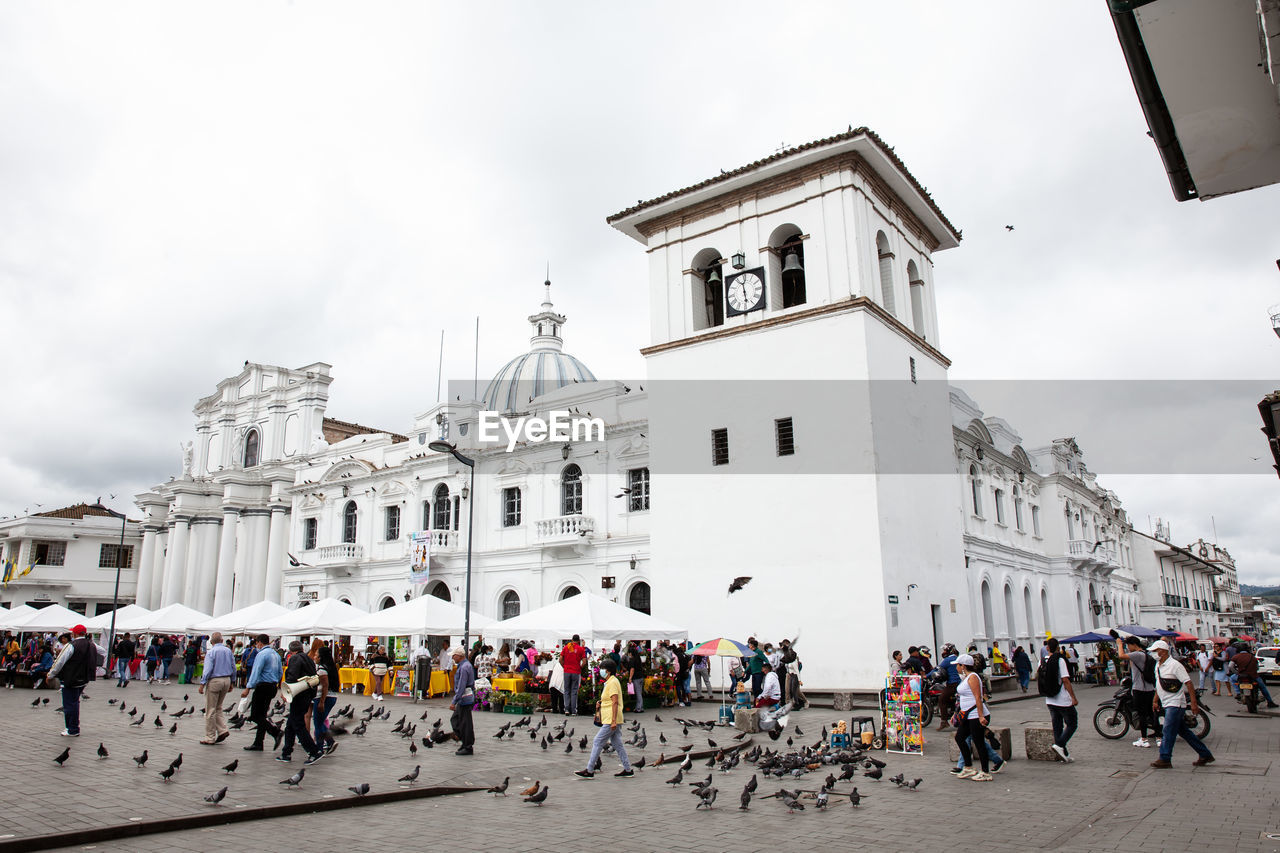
(770, 689)
(1062, 705)
(1205, 663)
(1175, 701)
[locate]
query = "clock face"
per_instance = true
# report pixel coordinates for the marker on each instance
(745, 291)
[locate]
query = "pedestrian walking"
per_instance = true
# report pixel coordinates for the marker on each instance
(571, 660)
(1175, 694)
(1022, 667)
(634, 665)
(973, 720)
(326, 696)
(947, 698)
(215, 684)
(609, 717)
(124, 651)
(299, 668)
(702, 676)
(168, 648)
(76, 666)
(1204, 663)
(464, 698)
(264, 681)
(190, 657)
(1062, 703)
(153, 659)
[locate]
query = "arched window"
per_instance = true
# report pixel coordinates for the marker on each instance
(571, 490)
(975, 490)
(570, 592)
(440, 520)
(1044, 608)
(387, 601)
(639, 597)
(1080, 611)
(349, 520)
(1017, 507)
(1009, 624)
(707, 289)
(916, 285)
(510, 604)
(426, 515)
(885, 257)
(793, 285)
(441, 591)
(987, 623)
(999, 493)
(251, 448)
(1026, 608)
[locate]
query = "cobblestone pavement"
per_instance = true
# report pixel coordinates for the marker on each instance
(1108, 799)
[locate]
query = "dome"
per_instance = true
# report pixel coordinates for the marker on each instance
(544, 368)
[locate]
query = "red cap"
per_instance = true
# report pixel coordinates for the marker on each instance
(78, 631)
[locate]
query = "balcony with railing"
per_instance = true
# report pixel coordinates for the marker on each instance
(339, 555)
(1090, 552)
(444, 540)
(564, 528)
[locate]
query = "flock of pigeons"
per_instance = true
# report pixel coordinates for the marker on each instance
(788, 765)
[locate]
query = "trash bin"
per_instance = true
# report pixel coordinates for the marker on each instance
(421, 677)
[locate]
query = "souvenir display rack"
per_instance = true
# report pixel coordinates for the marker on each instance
(903, 731)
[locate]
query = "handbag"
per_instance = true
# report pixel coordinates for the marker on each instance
(631, 688)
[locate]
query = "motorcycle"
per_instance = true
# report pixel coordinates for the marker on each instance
(1249, 694)
(1116, 716)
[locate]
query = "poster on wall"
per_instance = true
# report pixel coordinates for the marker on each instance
(420, 556)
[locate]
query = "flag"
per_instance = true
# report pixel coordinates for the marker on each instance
(8, 571)
(28, 569)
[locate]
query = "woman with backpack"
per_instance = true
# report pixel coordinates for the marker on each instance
(974, 716)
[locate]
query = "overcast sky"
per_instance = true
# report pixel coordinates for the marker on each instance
(186, 186)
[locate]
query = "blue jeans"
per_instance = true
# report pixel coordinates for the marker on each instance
(71, 708)
(572, 681)
(1024, 678)
(1065, 720)
(189, 673)
(1262, 686)
(605, 734)
(165, 663)
(992, 755)
(320, 718)
(122, 670)
(637, 684)
(1175, 724)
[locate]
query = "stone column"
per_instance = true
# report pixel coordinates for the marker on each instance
(277, 552)
(175, 580)
(256, 562)
(206, 574)
(158, 562)
(146, 567)
(224, 584)
(196, 536)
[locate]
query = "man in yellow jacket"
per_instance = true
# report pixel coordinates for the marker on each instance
(609, 713)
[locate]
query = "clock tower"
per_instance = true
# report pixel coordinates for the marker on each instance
(800, 419)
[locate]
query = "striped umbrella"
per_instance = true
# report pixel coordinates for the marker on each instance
(722, 648)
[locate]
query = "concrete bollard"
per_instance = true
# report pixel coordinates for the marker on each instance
(1039, 743)
(842, 700)
(746, 720)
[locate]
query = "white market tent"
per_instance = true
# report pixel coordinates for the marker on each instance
(424, 615)
(322, 617)
(15, 616)
(597, 620)
(174, 619)
(55, 617)
(241, 621)
(102, 622)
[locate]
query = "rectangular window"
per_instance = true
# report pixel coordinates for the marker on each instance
(1017, 512)
(111, 552)
(511, 507)
(999, 506)
(426, 515)
(1035, 520)
(720, 447)
(457, 512)
(48, 553)
(638, 489)
(913, 368)
(393, 523)
(310, 533)
(784, 436)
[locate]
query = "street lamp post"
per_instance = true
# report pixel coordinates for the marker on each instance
(115, 595)
(451, 449)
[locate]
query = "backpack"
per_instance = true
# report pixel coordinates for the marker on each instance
(1148, 668)
(979, 662)
(1048, 677)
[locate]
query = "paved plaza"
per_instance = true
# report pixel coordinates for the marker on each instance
(1108, 799)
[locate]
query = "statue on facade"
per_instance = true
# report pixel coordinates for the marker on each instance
(188, 455)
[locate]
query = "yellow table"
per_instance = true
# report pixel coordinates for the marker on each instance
(509, 683)
(350, 676)
(441, 682)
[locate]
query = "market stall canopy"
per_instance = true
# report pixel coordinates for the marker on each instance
(15, 616)
(1088, 637)
(102, 622)
(242, 621)
(1138, 631)
(1247, 638)
(597, 620)
(55, 617)
(1183, 637)
(424, 615)
(1216, 640)
(174, 619)
(1165, 632)
(322, 617)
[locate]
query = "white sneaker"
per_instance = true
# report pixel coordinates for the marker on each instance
(967, 773)
(1062, 753)
(981, 777)
(1142, 742)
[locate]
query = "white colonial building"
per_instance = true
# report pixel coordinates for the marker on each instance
(796, 427)
(73, 555)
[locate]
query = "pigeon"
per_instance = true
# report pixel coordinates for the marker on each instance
(687, 764)
(167, 773)
(855, 798)
(413, 776)
(231, 768)
(63, 756)
(1008, 228)
(359, 730)
(898, 780)
(164, 706)
(676, 779)
(822, 800)
(532, 789)
(359, 790)
(638, 765)
(426, 741)
(544, 742)
(913, 785)
(705, 783)
(134, 713)
(738, 583)
(141, 760)
(111, 701)
(296, 779)
(824, 732)
(173, 730)
(35, 703)
(177, 762)
(877, 762)
(102, 750)
(792, 804)
(745, 800)
(568, 748)
(139, 721)
(540, 797)
(582, 743)
(186, 697)
(847, 774)
(216, 796)
(740, 736)
(45, 701)
(706, 797)
(711, 743)
(874, 773)
(662, 738)
(500, 789)
(158, 722)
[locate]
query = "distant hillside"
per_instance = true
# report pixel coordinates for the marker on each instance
(1251, 589)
